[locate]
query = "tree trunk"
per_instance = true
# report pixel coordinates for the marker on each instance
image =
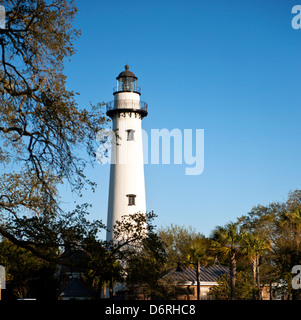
(105, 290)
(232, 273)
(258, 278)
(254, 270)
(198, 279)
(111, 288)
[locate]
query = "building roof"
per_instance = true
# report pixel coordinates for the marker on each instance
(126, 73)
(207, 274)
(75, 288)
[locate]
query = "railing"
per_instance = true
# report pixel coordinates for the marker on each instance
(126, 104)
(126, 89)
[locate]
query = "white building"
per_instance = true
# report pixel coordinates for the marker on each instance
(127, 187)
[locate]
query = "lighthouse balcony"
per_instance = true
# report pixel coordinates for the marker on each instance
(127, 88)
(126, 106)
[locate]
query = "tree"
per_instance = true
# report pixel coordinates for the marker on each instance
(198, 255)
(140, 254)
(286, 251)
(54, 239)
(26, 275)
(145, 267)
(186, 246)
(254, 246)
(226, 241)
(275, 232)
(261, 222)
(244, 287)
(41, 126)
(178, 240)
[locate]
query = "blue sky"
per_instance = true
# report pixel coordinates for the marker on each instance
(231, 68)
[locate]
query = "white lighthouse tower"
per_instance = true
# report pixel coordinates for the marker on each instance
(127, 187)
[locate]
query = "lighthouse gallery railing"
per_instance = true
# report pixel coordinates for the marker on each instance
(126, 104)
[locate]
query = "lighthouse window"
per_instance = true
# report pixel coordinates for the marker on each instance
(130, 135)
(131, 199)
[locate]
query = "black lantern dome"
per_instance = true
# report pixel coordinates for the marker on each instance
(127, 81)
(126, 73)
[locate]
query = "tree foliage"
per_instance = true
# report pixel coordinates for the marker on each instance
(270, 245)
(145, 267)
(226, 241)
(178, 240)
(45, 138)
(244, 287)
(26, 275)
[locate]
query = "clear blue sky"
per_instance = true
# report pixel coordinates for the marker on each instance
(231, 68)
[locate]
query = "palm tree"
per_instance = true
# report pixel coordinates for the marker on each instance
(197, 255)
(254, 245)
(227, 242)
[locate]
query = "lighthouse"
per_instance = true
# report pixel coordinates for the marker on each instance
(127, 186)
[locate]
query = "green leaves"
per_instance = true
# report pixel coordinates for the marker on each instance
(45, 138)
(178, 240)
